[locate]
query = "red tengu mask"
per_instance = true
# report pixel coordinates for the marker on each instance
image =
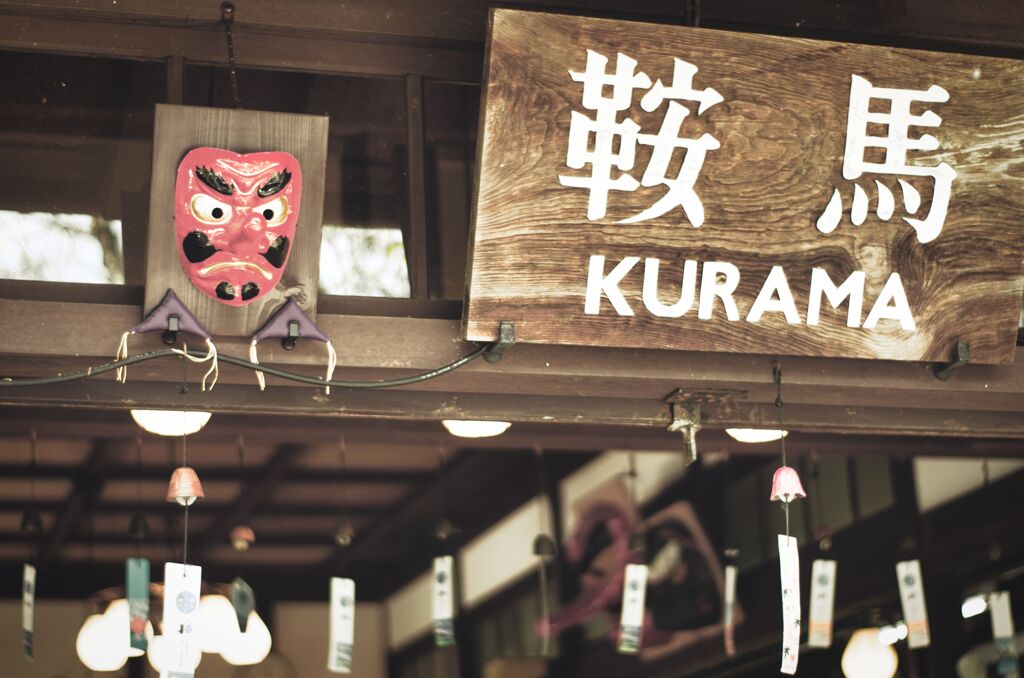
(235, 216)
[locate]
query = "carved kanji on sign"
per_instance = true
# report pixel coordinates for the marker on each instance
(608, 133)
(895, 143)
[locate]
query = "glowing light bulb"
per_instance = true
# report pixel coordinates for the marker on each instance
(756, 435)
(215, 623)
(866, 656)
(251, 647)
(95, 648)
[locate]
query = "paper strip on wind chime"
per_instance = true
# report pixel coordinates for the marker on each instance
(915, 612)
(631, 622)
(28, 609)
(182, 585)
(137, 592)
(444, 605)
(823, 592)
(729, 611)
(789, 569)
(342, 625)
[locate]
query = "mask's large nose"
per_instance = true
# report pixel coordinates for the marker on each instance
(245, 233)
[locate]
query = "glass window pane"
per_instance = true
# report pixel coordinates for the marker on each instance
(450, 129)
(76, 139)
(874, 484)
(366, 224)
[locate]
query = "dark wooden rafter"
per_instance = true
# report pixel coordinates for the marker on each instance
(463, 494)
(941, 24)
(202, 508)
(248, 475)
(85, 490)
(254, 493)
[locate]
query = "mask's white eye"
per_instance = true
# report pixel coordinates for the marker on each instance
(275, 211)
(210, 210)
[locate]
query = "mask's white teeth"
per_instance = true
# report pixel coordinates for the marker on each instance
(235, 264)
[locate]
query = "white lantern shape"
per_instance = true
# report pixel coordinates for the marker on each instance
(161, 652)
(117, 625)
(95, 647)
(866, 656)
(216, 622)
(251, 647)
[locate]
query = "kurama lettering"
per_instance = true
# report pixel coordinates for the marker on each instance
(717, 294)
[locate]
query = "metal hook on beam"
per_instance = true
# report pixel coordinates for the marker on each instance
(961, 357)
(506, 339)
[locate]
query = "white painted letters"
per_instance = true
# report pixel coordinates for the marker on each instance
(711, 287)
(598, 283)
(852, 287)
(775, 285)
(892, 305)
(689, 287)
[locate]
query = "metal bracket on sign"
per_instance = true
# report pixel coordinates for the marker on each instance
(687, 415)
(506, 339)
(961, 356)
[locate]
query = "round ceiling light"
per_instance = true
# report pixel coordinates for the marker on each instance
(756, 435)
(465, 428)
(171, 422)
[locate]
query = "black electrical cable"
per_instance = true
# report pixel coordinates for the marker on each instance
(241, 362)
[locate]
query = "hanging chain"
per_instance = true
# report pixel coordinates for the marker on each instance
(227, 17)
(777, 376)
(691, 13)
(184, 459)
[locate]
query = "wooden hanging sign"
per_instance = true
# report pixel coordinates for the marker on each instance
(665, 187)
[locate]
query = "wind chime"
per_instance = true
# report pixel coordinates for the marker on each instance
(786, 487)
(183, 582)
(341, 649)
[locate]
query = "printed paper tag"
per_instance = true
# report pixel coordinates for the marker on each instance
(343, 623)
(915, 613)
(1003, 634)
(444, 604)
(729, 610)
(182, 584)
(28, 608)
(631, 623)
(789, 572)
(137, 591)
(823, 594)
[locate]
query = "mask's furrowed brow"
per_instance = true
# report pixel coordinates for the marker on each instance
(214, 181)
(274, 184)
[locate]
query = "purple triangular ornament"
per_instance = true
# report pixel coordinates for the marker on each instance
(279, 325)
(290, 323)
(159, 319)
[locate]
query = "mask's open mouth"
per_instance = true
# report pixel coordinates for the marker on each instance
(210, 270)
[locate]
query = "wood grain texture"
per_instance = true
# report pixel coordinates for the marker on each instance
(181, 128)
(782, 129)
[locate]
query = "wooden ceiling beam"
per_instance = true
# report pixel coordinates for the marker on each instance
(250, 474)
(86, 489)
(201, 507)
(938, 24)
(255, 493)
